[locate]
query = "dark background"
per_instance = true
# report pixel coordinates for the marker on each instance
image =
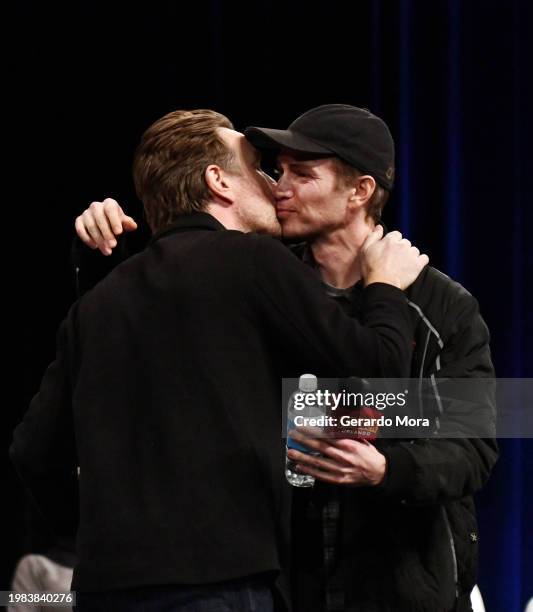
(451, 78)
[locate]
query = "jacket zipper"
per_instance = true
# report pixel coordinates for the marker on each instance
(452, 547)
(431, 329)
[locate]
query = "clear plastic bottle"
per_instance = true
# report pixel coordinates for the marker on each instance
(307, 384)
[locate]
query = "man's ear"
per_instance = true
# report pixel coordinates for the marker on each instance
(366, 185)
(219, 183)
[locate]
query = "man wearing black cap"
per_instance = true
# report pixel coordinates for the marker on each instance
(397, 535)
(387, 531)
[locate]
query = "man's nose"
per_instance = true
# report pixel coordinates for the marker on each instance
(282, 189)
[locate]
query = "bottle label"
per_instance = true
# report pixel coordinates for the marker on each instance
(296, 445)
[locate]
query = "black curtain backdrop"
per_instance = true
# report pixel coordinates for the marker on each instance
(451, 78)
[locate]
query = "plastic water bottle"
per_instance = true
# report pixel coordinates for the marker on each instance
(307, 384)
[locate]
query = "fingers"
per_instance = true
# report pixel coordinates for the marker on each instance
(93, 231)
(423, 260)
(311, 443)
(104, 214)
(322, 475)
(330, 472)
(320, 463)
(117, 220)
(99, 225)
(343, 461)
(374, 236)
(113, 214)
(349, 445)
(394, 236)
(128, 224)
(393, 260)
(345, 454)
(83, 234)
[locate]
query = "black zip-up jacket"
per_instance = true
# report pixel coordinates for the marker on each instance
(410, 544)
(166, 394)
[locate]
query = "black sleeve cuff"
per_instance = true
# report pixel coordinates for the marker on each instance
(376, 291)
(400, 476)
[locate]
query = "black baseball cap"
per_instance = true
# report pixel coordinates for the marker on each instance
(353, 134)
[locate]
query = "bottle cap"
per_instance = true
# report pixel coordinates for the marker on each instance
(308, 383)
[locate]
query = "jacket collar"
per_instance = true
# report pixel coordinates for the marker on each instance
(192, 221)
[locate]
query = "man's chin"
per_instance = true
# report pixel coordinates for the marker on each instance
(274, 230)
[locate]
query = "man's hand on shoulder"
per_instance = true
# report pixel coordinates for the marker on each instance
(390, 259)
(99, 225)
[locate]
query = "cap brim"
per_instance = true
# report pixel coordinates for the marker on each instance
(266, 138)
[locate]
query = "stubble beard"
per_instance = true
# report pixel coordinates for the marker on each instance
(261, 220)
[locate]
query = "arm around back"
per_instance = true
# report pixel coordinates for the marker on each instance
(292, 301)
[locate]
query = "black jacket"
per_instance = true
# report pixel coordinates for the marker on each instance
(166, 393)
(410, 544)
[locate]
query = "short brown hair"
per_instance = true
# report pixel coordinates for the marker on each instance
(348, 174)
(170, 162)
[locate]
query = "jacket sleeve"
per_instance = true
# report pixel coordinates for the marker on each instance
(43, 446)
(316, 331)
(430, 471)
